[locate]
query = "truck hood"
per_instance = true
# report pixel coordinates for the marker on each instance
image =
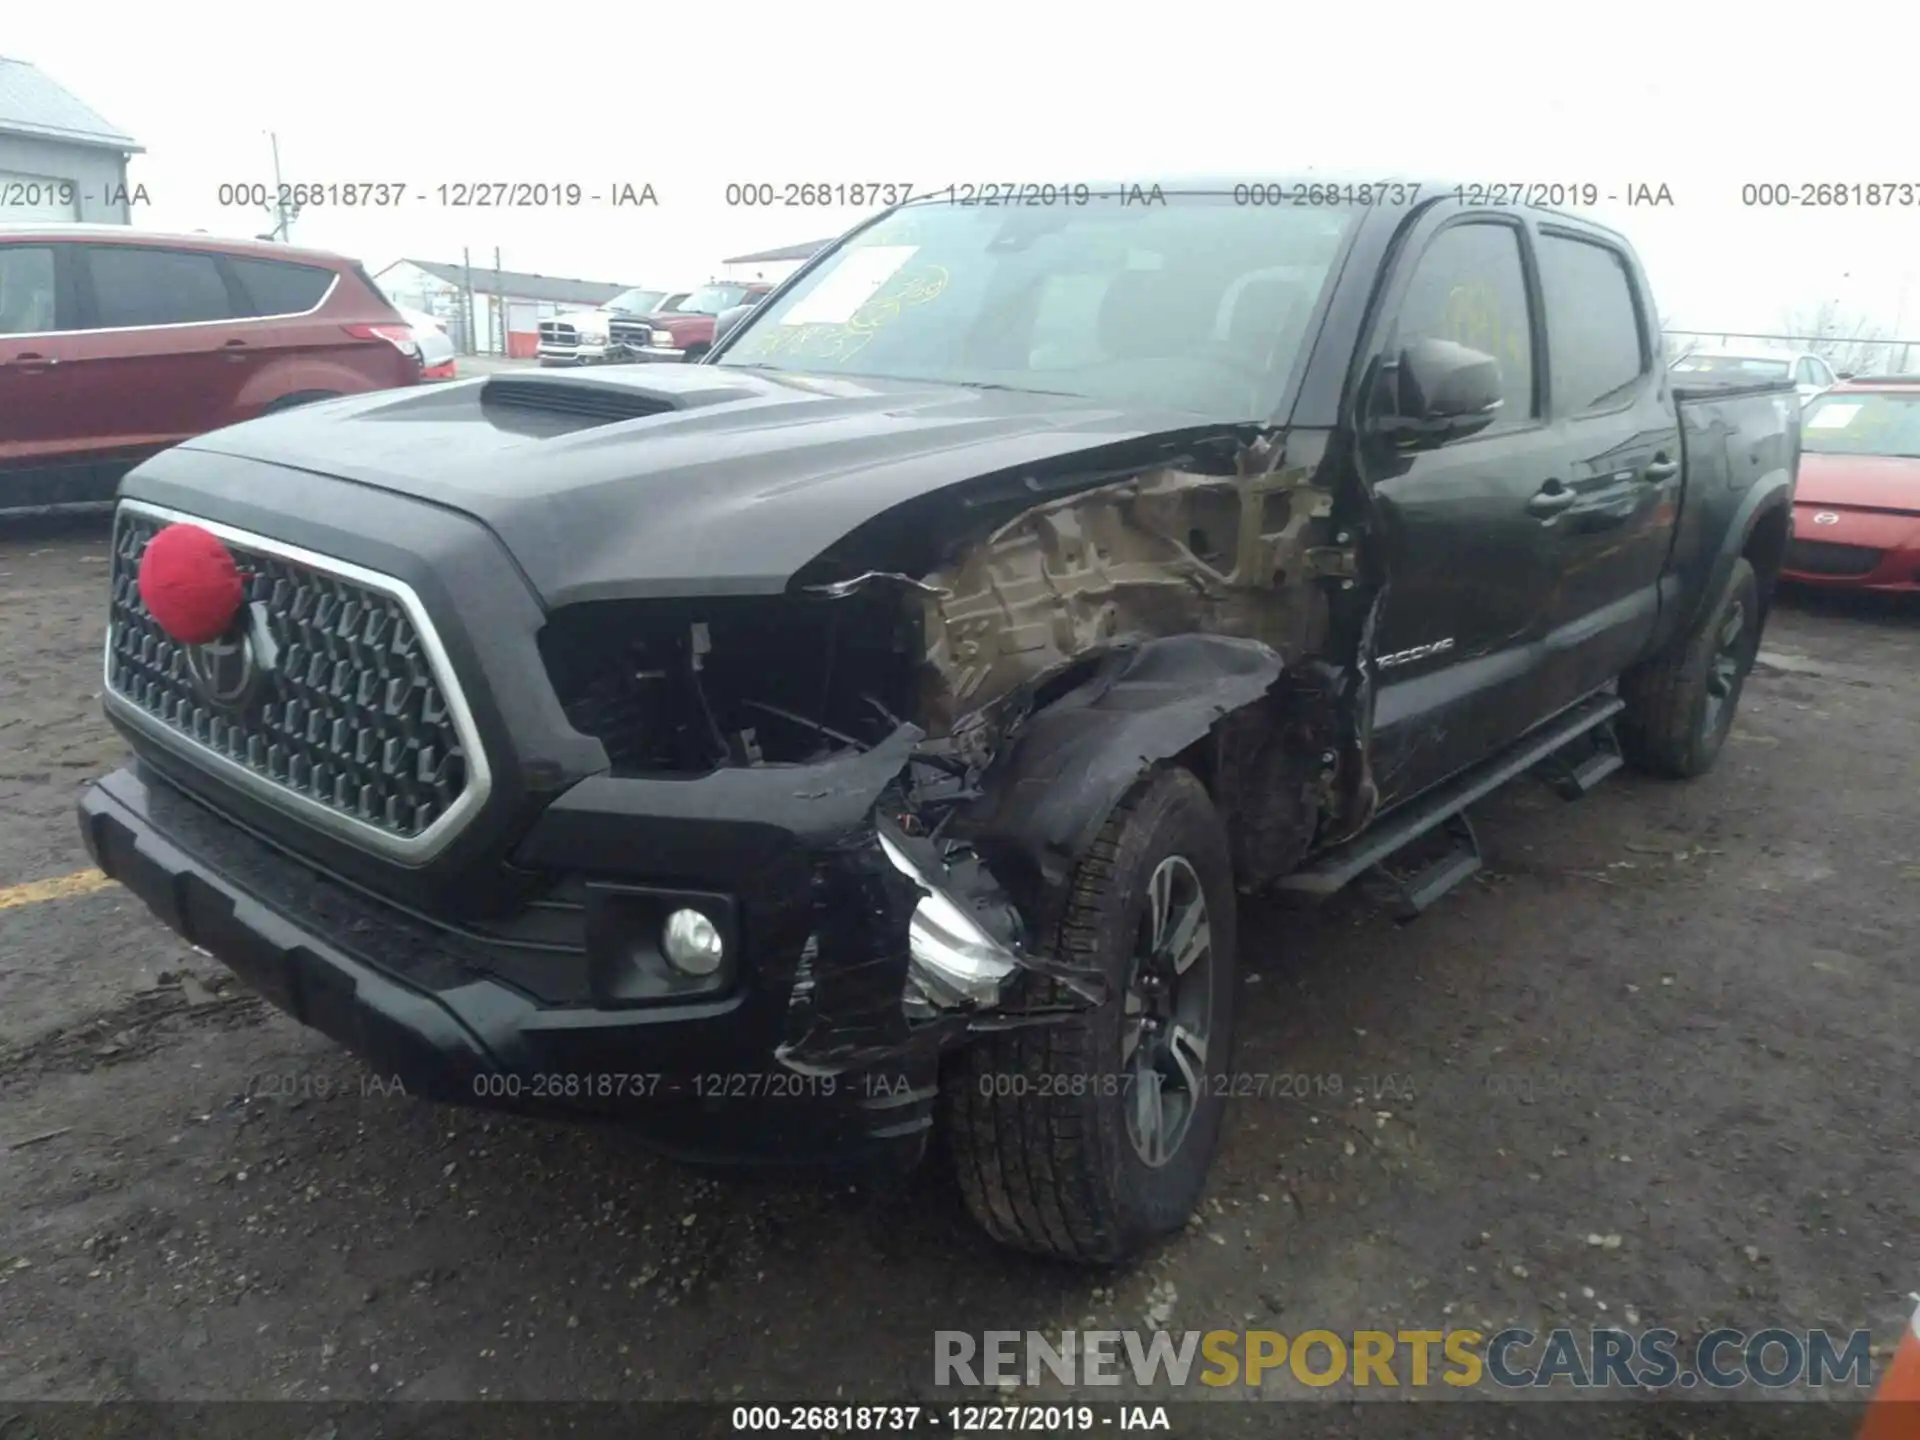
(677, 321)
(743, 477)
(1863, 482)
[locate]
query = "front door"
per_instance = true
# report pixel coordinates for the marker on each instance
(1467, 559)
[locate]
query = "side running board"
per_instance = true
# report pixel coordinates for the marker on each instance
(1446, 807)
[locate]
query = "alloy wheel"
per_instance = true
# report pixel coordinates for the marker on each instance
(1167, 1013)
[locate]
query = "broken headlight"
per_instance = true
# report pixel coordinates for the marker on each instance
(954, 960)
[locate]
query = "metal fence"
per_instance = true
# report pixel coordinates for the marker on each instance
(1858, 356)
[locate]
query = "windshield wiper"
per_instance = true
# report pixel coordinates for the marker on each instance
(1015, 389)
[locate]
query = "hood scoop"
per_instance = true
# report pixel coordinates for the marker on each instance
(577, 398)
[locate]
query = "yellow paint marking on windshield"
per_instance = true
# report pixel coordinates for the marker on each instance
(826, 341)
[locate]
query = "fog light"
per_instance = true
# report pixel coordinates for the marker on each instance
(692, 943)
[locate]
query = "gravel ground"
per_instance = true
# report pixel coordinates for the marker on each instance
(1681, 1017)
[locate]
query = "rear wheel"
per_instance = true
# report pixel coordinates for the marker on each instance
(1681, 704)
(1089, 1138)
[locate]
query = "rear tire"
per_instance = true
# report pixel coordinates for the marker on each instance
(1052, 1140)
(1681, 704)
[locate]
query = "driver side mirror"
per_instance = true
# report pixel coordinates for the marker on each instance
(1434, 391)
(728, 320)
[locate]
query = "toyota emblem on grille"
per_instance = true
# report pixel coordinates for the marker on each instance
(1826, 517)
(228, 671)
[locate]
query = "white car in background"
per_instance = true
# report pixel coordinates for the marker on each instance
(1810, 374)
(436, 347)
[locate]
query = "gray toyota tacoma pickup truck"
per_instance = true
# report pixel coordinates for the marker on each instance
(863, 736)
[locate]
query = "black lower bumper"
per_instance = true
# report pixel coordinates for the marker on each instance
(404, 994)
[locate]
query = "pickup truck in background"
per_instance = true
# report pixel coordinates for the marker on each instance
(686, 332)
(608, 334)
(865, 737)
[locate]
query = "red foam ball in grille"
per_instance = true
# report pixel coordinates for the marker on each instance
(190, 584)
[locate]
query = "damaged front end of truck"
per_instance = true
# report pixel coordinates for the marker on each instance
(956, 696)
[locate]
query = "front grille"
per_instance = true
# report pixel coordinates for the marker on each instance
(555, 334)
(347, 714)
(631, 332)
(1822, 557)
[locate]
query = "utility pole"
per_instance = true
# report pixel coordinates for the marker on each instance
(283, 212)
(466, 266)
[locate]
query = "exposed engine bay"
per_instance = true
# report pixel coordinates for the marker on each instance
(1150, 611)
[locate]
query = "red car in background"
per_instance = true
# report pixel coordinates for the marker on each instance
(1856, 514)
(115, 344)
(686, 331)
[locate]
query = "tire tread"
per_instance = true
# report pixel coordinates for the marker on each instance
(1026, 1163)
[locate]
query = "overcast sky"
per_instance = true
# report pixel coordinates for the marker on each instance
(1700, 97)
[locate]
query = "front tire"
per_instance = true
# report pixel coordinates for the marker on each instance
(1681, 704)
(1089, 1138)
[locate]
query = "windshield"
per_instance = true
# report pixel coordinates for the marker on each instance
(637, 302)
(671, 305)
(1193, 302)
(1752, 367)
(1862, 423)
(712, 299)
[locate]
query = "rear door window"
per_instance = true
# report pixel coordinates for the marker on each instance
(1595, 344)
(276, 287)
(135, 286)
(27, 292)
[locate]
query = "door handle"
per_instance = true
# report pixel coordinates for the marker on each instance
(234, 345)
(1661, 470)
(31, 361)
(1551, 499)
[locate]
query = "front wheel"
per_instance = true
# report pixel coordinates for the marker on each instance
(1089, 1138)
(1680, 705)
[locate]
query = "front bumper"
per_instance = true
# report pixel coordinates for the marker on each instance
(550, 354)
(660, 352)
(1856, 550)
(423, 1003)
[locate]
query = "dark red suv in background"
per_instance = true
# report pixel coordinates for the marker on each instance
(115, 344)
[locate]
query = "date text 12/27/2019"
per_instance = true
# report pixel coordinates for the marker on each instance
(454, 194)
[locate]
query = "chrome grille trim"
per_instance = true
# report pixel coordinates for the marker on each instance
(410, 849)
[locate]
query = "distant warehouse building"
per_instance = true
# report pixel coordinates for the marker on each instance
(58, 159)
(773, 265)
(488, 311)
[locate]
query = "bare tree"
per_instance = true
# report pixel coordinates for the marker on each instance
(1851, 344)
